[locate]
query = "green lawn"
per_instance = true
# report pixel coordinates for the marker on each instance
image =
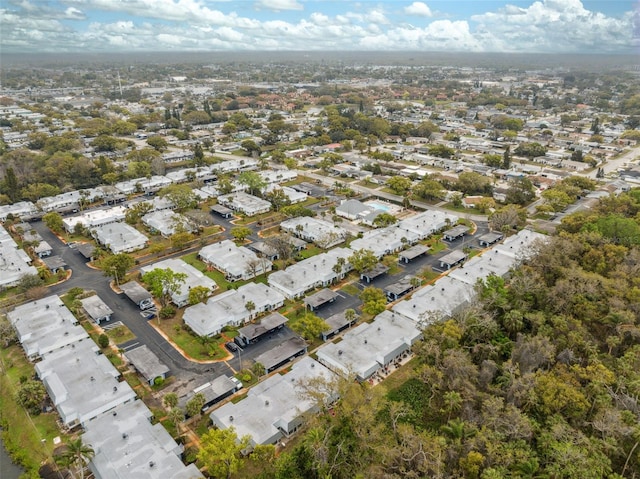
(310, 251)
(29, 439)
(193, 346)
(216, 275)
(351, 289)
(120, 334)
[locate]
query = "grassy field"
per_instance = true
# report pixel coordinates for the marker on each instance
(195, 347)
(120, 334)
(29, 439)
(217, 276)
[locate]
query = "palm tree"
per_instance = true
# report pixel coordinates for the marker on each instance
(78, 455)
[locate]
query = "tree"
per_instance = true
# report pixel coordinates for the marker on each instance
(158, 143)
(180, 239)
(295, 211)
(78, 455)
(281, 244)
(309, 326)
(277, 198)
(241, 233)
(362, 260)
(8, 335)
(531, 150)
(170, 400)
(253, 181)
(164, 283)
(10, 185)
(384, 219)
(374, 300)
(117, 265)
(399, 184)
(176, 416)
(250, 147)
(494, 161)
(195, 404)
(510, 217)
(198, 294)
(30, 396)
(429, 189)
(53, 221)
(521, 191)
(103, 340)
(472, 183)
(182, 196)
(221, 451)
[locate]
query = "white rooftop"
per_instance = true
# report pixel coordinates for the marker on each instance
(45, 325)
(273, 405)
(127, 445)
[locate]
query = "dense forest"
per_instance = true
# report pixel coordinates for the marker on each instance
(540, 378)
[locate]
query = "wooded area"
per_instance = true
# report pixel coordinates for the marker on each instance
(540, 379)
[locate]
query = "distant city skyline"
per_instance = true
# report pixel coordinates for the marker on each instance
(517, 26)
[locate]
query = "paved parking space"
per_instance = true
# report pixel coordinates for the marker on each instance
(343, 301)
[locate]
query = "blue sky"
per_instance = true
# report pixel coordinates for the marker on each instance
(520, 26)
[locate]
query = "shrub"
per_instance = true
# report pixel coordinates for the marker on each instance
(103, 340)
(167, 312)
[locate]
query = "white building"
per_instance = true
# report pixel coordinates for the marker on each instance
(45, 325)
(320, 232)
(371, 347)
(82, 383)
(314, 272)
(120, 238)
(274, 408)
(230, 308)
(127, 444)
(236, 262)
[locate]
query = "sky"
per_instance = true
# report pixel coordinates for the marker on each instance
(518, 26)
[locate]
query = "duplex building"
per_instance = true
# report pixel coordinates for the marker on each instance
(45, 325)
(320, 232)
(236, 262)
(318, 271)
(275, 408)
(120, 238)
(245, 203)
(95, 218)
(370, 348)
(82, 383)
(127, 444)
(167, 222)
(232, 308)
(15, 263)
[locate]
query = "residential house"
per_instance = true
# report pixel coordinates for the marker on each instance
(276, 407)
(45, 325)
(120, 238)
(128, 443)
(82, 383)
(236, 262)
(230, 308)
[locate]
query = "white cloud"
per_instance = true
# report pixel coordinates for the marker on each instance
(553, 26)
(419, 9)
(542, 26)
(279, 5)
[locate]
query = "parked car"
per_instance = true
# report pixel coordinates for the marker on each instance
(231, 347)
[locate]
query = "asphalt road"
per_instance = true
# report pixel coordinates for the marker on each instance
(126, 311)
